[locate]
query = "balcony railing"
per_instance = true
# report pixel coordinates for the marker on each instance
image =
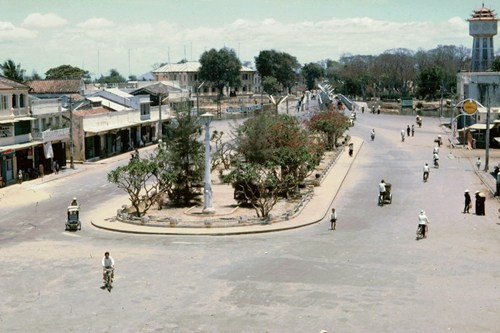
(52, 135)
(13, 140)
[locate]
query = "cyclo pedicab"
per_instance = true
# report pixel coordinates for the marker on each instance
(73, 219)
(385, 198)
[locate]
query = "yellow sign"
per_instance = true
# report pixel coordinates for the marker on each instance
(469, 106)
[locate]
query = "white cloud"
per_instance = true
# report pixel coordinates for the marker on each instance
(44, 20)
(96, 23)
(162, 41)
(9, 32)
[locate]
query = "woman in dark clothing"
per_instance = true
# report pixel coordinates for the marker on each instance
(467, 201)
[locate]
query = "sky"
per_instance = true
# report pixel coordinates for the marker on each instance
(134, 36)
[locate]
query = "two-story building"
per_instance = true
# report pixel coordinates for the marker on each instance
(186, 74)
(16, 145)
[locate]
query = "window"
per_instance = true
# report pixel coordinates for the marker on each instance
(3, 102)
(21, 101)
(14, 101)
(144, 109)
(245, 76)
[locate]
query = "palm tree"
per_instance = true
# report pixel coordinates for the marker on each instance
(12, 71)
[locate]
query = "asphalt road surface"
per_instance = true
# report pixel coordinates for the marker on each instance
(369, 275)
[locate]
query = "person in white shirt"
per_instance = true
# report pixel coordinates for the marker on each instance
(108, 262)
(478, 163)
(333, 219)
(426, 171)
(381, 190)
(423, 223)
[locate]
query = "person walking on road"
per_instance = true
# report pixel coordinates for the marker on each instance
(468, 201)
(402, 135)
(381, 190)
(423, 223)
(351, 148)
(426, 172)
(412, 130)
(408, 131)
(478, 163)
(333, 219)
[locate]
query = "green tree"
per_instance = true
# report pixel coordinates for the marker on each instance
(270, 85)
(495, 66)
(114, 77)
(185, 159)
(34, 76)
(312, 72)
(256, 184)
(220, 68)
(12, 71)
(278, 141)
(429, 80)
(140, 179)
(279, 65)
(330, 125)
(66, 72)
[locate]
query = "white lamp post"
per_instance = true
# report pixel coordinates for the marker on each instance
(206, 118)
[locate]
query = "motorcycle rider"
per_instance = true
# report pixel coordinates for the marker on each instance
(373, 134)
(423, 223)
(436, 160)
(74, 202)
(435, 150)
(426, 171)
(108, 263)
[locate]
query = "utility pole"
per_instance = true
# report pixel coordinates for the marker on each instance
(487, 143)
(160, 124)
(71, 149)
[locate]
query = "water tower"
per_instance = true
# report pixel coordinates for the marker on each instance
(482, 26)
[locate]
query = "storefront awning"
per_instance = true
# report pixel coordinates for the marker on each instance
(107, 128)
(15, 120)
(25, 118)
(480, 126)
(19, 146)
(497, 139)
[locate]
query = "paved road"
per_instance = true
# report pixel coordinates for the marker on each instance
(368, 275)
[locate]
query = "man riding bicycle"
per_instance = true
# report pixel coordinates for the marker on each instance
(108, 263)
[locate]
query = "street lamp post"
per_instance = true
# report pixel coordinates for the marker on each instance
(198, 98)
(206, 118)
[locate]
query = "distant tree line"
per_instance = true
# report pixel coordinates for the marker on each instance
(392, 74)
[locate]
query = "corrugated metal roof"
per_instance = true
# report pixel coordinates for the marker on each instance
(118, 92)
(107, 103)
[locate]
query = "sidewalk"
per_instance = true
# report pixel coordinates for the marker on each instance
(313, 212)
